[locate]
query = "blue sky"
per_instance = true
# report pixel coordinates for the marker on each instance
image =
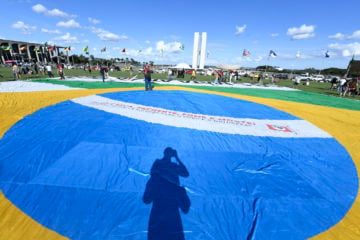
(309, 28)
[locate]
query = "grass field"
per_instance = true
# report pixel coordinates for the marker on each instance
(315, 87)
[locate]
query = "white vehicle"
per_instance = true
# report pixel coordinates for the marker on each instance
(302, 77)
(209, 71)
(317, 78)
(243, 73)
(200, 72)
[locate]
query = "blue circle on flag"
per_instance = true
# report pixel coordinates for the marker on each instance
(82, 171)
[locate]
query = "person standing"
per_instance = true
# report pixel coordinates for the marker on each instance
(16, 71)
(147, 78)
(49, 70)
(216, 80)
(61, 71)
(193, 75)
(36, 68)
(102, 72)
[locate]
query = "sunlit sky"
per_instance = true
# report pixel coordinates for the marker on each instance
(154, 30)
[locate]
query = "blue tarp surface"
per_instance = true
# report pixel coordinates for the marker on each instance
(83, 172)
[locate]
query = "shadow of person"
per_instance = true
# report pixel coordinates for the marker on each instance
(163, 190)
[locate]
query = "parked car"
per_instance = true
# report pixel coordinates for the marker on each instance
(302, 77)
(281, 76)
(200, 72)
(317, 78)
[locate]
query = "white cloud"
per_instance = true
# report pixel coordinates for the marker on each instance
(111, 37)
(69, 24)
(274, 35)
(93, 20)
(50, 31)
(338, 36)
(67, 38)
(147, 42)
(106, 35)
(355, 35)
(346, 50)
(172, 47)
(25, 28)
(86, 41)
(302, 32)
(240, 30)
(39, 8)
(135, 52)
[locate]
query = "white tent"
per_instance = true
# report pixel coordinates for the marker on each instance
(182, 65)
(228, 66)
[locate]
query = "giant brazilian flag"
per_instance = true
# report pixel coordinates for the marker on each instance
(173, 164)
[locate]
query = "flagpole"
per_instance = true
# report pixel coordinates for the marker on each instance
(349, 66)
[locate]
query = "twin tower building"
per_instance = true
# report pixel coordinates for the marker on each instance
(199, 52)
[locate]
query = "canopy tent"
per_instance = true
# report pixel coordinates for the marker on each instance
(182, 66)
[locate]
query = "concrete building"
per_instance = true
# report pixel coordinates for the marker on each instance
(27, 52)
(199, 51)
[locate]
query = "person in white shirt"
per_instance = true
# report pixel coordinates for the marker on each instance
(49, 70)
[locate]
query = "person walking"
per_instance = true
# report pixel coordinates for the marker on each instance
(147, 77)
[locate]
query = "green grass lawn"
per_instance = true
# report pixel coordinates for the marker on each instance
(314, 87)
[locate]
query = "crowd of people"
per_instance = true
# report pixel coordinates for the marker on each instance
(345, 86)
(341, 85)
(19, 69)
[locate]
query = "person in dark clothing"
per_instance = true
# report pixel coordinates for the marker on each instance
(102, 72)
(36, 68)
(147, 78)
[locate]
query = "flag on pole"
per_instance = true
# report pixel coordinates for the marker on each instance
(67, 49)
(103, 49)
(246, 53)
(86, 50)
(51, 48)
(45, 44)
(22, 48)
(123, 51)
(272, 54)
(36, 49)
(7, 48)
(298, 55)
(327, 55)
(182, 46)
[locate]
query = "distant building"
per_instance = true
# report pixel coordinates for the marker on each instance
(27, 52)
